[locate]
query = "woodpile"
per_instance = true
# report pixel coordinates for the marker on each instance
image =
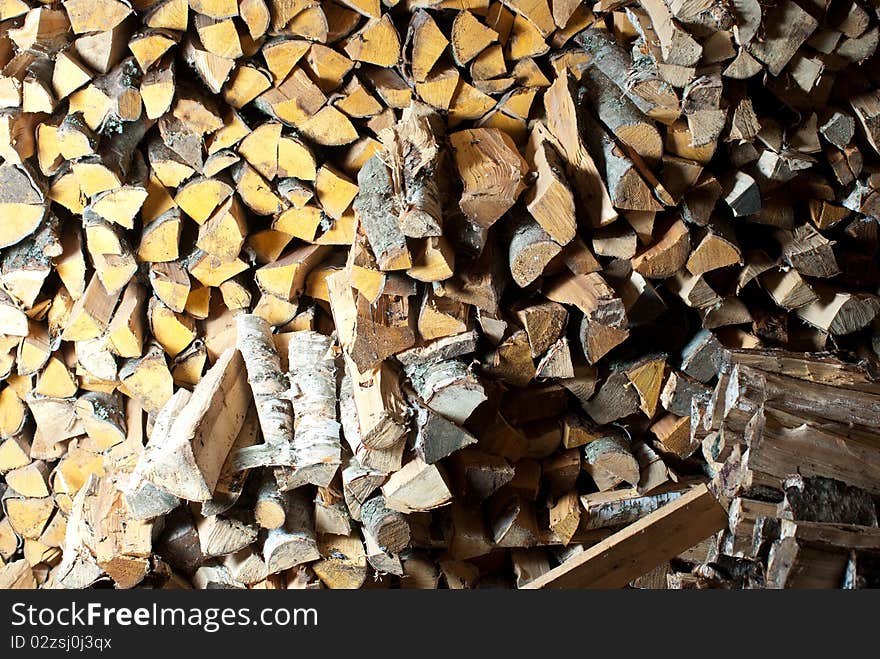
(792, 440)
(490, 293)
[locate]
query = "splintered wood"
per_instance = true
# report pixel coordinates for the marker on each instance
(497, 293)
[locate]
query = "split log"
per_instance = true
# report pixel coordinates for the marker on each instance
(382, 416)
(416, 487)
(487, 155)
(220, 536)
(269, 386)
(609, 462)
(189, 464)
(564, 123)
(531, 250)
(616, 399)
(604, 325)
(550, 201)
(447, 387)
(383, 460)
(344, 562)
(437, 437)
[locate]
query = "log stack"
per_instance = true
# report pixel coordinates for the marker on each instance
(792, 441)
(437, 294)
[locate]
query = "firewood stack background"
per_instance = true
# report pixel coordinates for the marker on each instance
(438, 293)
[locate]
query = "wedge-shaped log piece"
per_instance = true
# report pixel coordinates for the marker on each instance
(102, 417)
(647, 379)
(438, 437)
(344, 561)
(22, 204)
(417, 487)
(792, 25)
(28, 516)
(220, 535)
(609, 461)
(604, 325)
(286, 277)
(667, 255)
(531, 250)
(148, 379)
(145, 500)
(203, 432)
(469, 37)
(382, 414)
(369, 333)
(839, 312)
(447, 387)
(550, 201)
(425, 43)
(491, 170)
(626, 185)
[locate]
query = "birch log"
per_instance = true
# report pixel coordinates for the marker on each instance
(317, 451)
(269, 386)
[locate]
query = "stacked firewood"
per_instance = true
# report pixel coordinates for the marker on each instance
(793, 443)
(307, 293)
